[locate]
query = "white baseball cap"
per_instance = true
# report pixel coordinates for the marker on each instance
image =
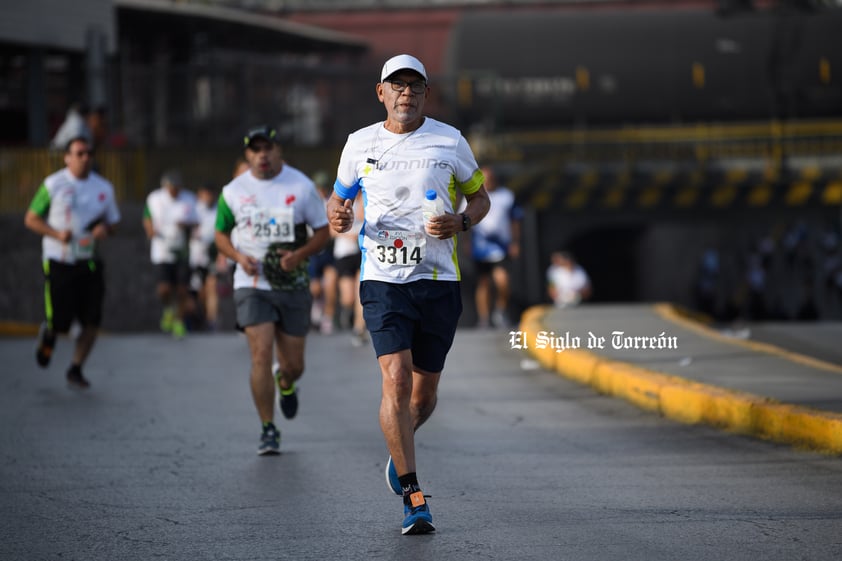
(402, 62)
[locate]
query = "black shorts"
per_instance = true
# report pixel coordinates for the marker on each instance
(487, 267)
(349, 265)
(420, 316)
(176, 274)
(73, 291)
(198, 277)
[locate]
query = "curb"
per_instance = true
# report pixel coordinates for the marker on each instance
(687, 401)
(678, 316)
(18, 329)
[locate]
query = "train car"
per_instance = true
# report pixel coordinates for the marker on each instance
(548, 69)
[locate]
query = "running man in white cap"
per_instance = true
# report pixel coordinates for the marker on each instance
(410, 271)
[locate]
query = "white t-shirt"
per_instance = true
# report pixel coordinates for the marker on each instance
(171, 217)
(490, 238)
(394, 171)
(271, 211)
(568, 283)
(69, 203)
(203, 235)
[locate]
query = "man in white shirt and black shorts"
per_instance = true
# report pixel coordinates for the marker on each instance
(409, 273)
(168, 218)
(74, 210)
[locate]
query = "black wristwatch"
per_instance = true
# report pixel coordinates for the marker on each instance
(466, 222)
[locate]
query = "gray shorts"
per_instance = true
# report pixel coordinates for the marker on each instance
(288, 310)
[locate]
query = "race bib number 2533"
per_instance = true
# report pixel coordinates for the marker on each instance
(273, 225)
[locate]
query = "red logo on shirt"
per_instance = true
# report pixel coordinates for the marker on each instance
(101, 197)
(290, 199)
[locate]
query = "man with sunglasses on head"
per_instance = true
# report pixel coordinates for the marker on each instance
(73, 210)
(270, 207)
(410, 273)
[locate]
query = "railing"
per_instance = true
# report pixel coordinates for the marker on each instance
(23, 170)
(763, 164)
(135, 172)
(779, 153)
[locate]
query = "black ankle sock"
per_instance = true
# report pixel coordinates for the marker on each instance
(409, 484)
(74, 369)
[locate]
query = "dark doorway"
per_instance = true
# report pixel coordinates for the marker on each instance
(609, 255)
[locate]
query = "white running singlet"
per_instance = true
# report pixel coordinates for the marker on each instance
(394, 171)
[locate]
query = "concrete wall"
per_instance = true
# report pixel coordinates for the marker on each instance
(130, 301)
(631, 259)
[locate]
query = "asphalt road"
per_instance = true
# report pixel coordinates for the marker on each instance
(157, 461)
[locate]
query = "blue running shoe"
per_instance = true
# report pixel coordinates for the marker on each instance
(392, 478)
(270, 441)
(417, 517)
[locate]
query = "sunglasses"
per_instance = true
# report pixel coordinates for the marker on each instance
(416, 87)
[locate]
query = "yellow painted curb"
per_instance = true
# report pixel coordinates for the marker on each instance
(671, 313)
(17, 329)
(687, 401)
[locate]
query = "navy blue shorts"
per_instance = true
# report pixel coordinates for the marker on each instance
(420, 316)
(320, 261)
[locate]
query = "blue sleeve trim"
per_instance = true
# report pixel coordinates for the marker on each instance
(346, 192)
(517, 212)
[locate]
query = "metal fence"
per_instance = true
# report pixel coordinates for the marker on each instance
(22, 171)
(211, 104)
